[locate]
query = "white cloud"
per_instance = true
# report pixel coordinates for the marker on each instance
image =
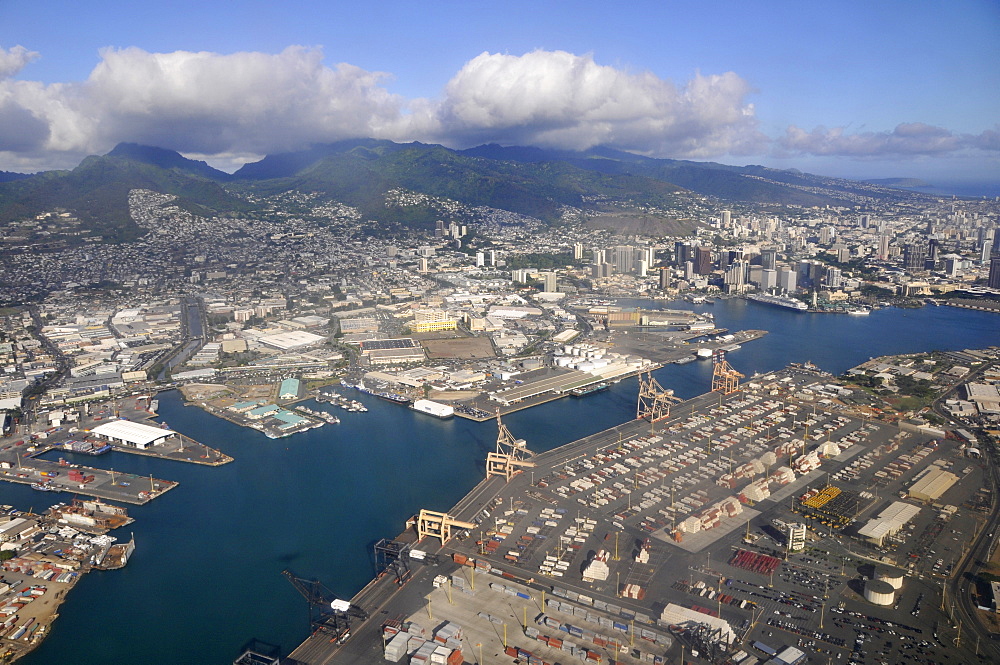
(223, 107)
(13, 60)
(558, 99)
(907, 139)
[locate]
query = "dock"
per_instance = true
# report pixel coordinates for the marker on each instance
(552, 518)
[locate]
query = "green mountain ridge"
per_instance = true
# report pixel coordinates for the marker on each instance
(537, 182)
(97, 192)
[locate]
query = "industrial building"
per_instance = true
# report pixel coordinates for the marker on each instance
(137, 435)
(932, 485)
(289, 389)
(888, 523)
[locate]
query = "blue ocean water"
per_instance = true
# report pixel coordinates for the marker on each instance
(206, 574)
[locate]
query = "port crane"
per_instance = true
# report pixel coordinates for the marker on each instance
(725, 379)
(510, 456)
(391, 557)
(654, 400)
(327, 613)
(437, 525)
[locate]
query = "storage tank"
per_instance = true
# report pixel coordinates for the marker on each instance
(890, 574)
(879, 592)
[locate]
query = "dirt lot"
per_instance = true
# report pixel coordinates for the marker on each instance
(461, 348)
(200, 392)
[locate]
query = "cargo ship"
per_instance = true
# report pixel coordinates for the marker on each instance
(779, 301)
(583, 391)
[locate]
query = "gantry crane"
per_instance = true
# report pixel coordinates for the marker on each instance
(509, 458)
(725, 379)
(327, 613)
(437, 525)
(654, 400)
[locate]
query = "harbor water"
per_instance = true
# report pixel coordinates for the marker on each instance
(206, 573)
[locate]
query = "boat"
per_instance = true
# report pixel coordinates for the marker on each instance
(43, 487)
(779, 301)
(859, 312)
(685, 360)
(583, 391)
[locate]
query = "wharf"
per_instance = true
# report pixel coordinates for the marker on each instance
(20, 461)
(615, 491)
(483, 408)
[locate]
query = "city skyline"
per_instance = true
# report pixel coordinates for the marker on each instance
(899, 90)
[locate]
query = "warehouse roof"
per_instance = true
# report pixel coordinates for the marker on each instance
(131, 432)
(932, 485)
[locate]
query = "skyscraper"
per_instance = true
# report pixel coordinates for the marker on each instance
(703, 260)
(768, 259)
(994, 280)
(883, 247)
(727, 219)
(914, 256)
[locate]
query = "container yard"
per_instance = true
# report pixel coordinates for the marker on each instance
(719, 529)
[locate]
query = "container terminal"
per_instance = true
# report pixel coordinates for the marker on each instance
(755, 523)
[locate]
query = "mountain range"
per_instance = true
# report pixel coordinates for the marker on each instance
(361, 172)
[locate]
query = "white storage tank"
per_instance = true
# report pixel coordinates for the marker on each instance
(879, 592)
(890, 574)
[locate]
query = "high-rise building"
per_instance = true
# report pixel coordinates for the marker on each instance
(727, 219)
(994, 279)
(664, 279)
(577, 251)
(883, 246)
(914, 256)
(735, 277)
(683, 252)
(826, 235)
(768, 259)
(703, 260)
(833, 277)
(480, 259)
(599, 270)
(786, 279)
(768, 278)
(599, 256)
(549, 282)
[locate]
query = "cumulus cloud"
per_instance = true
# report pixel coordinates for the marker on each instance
(14, 60)
(226, 106)
(558, 99)
(203, 102)
(907, 139)
(254, 103)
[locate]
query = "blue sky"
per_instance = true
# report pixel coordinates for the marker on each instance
(857, 89)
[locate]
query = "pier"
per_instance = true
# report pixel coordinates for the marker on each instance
(623, 491)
